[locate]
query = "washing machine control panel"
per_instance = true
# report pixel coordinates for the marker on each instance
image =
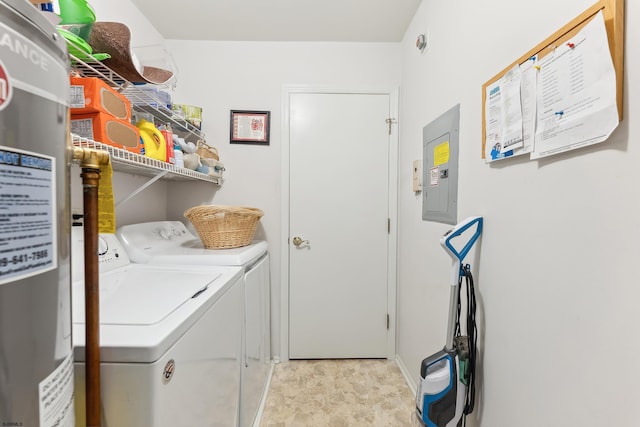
(169, 231)
(111, 254)
(146, 240)
(103, 246)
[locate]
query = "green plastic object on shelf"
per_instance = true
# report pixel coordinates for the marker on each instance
(79, 48)
(78, 17)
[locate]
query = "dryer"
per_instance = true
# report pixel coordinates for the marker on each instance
(170, 340)
(170, 242)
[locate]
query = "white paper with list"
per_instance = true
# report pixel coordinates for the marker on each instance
(576, 93)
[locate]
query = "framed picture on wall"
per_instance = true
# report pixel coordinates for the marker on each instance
(250, 127)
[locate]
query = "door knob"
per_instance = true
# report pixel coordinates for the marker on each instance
(298, 241)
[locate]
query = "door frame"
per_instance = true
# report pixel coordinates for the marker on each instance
(287, 91)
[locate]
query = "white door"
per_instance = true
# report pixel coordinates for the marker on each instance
(339, 183)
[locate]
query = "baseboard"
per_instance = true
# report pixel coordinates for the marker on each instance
(413, 385)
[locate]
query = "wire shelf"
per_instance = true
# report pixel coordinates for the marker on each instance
(126, 161)
(141, 99)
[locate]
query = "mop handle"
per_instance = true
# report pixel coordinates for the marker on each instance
(458, 256)
(456, 269)
(445, 240)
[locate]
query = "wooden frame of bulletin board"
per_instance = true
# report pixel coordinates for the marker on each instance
(613, 11)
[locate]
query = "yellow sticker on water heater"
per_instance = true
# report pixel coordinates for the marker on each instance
(441, 154)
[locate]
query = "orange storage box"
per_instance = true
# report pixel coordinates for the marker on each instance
(105, 128)
(92, 95)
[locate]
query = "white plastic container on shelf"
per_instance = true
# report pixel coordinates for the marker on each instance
(178, 155)
(148, 95)
(157, 55)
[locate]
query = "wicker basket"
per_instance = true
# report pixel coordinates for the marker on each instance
(224, 226)
(205, 151)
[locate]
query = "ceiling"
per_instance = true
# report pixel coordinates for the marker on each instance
(281, 20)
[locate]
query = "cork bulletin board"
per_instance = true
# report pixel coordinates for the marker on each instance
(613, 14)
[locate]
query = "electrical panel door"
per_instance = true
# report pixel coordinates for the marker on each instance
(440, 168)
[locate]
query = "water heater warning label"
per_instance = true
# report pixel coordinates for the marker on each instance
(27, 209)
(56, 396)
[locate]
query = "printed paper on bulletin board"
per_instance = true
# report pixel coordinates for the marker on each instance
(496, 137)
(576, 95)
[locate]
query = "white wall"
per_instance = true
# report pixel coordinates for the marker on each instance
(221, 76)
(554, 269)
(143, 33)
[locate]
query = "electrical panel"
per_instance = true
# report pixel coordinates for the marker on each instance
(440, 144)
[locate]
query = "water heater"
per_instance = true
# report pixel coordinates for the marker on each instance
(36, 364)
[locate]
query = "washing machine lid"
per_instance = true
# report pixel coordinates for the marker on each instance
(194, 253)
(170, 242)
(145, 308)
(142, 296)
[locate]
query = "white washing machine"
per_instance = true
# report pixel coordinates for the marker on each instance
(170, 242)
(170, 340)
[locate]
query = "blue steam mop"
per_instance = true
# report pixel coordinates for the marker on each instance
(446, 390)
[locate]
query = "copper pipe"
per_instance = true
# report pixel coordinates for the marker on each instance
(90, 179)
(90, 164)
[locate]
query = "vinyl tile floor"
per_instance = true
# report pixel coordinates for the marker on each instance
(337, 393)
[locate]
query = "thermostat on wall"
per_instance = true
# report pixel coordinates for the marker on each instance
(417, 176)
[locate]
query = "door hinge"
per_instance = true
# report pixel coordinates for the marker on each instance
(388, 320)
(388, 225)
(390, 121)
